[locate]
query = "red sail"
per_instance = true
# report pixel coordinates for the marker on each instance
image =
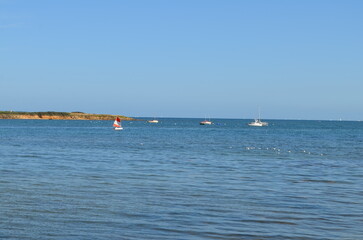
(117, 122)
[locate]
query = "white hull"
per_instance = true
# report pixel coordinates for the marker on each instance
(118, 128)
(206, 123)
(255, 124)
(258, 123)
(153, 121)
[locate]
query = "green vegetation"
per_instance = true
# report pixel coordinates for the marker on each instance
(40, 114)
(58, 115)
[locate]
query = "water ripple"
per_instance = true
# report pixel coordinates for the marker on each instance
(180, 180)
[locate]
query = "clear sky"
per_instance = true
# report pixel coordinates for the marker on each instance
(184, 58)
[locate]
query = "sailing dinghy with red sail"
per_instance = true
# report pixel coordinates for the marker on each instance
(117, 124)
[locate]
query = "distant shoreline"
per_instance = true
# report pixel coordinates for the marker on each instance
(60, 116)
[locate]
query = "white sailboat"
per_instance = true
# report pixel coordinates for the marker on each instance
(153, 121)
(206, 122)
(258, 122)
(117, 124)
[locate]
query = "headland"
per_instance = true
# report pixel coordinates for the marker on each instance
(59, 116)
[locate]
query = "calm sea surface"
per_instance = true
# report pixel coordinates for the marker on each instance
(179, 180)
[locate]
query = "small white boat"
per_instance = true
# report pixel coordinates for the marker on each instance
(258, 123)
(153, 121)
(117, 124)
(205, 122)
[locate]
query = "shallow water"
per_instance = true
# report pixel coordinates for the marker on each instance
(179, 180)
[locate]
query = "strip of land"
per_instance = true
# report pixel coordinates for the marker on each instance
(59, 116)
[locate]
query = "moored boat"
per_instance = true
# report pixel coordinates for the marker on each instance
(153, 121)
(258, 123)
(117, 124)
(205, 122)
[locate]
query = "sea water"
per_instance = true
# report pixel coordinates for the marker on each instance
(180, 180)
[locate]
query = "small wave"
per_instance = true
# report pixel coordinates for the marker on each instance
(269, 222)
(324, 181)
(29, 156)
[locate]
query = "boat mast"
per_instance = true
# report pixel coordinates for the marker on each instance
(259, 113)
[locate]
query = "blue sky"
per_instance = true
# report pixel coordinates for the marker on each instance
(190, 58)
